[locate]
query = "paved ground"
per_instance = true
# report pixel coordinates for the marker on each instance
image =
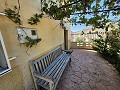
(88, 71)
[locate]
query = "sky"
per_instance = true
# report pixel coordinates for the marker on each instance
(78, 27)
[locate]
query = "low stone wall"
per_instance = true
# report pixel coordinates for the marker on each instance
(83, 45)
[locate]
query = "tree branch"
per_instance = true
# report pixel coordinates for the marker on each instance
(67, 5)
(19, 6)
(112, 9)
(6, 5)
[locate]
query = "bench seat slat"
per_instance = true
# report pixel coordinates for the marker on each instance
(47, 62)
(40, 67)
(37, 67)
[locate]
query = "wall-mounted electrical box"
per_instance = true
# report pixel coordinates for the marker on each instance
(23, 32)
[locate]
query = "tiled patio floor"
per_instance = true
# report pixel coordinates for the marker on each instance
(88, 71)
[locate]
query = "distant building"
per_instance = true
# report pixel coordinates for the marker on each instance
(87, 34)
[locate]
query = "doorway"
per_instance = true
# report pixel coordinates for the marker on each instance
(66, 39)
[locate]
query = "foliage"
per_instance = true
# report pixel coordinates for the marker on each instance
(62, 25)
(53, 11)
(15, 17)
(11, 14)
(90, 12)
(114, 40)
(78, 40)
(109, 47)
(35, 19)
(99, 45)
(31, 42)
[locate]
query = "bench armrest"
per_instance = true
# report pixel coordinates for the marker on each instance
(38, 75)
(68, 51)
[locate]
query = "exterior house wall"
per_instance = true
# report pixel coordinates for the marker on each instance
(89, 36)
(20, 77)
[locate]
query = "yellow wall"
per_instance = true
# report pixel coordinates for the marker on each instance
(20, 77)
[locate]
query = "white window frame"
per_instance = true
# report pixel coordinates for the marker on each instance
(6, 56)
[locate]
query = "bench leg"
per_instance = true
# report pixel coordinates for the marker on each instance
(51, 86)
(69, 61)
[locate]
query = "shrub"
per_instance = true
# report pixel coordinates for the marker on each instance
(78, 40)
(109, 47)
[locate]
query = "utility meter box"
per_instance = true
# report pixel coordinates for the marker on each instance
(23, 32)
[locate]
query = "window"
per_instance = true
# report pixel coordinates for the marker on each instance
(4, 61)
(33, 32)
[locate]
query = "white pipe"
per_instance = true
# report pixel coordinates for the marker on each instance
(12, 58)
(2, 14)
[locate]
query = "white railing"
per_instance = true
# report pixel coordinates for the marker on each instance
(82, 45)
(87, 37)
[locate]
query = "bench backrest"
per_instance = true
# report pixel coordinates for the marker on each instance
(41, 63)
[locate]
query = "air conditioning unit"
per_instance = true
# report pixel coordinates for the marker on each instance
(23, 32)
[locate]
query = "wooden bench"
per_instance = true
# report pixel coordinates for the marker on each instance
(47, 69)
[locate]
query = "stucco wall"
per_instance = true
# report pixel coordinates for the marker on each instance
(20, 77)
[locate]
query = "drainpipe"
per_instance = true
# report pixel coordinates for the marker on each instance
(3, 14)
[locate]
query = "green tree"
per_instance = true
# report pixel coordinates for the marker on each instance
(109, 47)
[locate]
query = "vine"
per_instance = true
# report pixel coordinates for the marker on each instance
(6, 3)
(15, 17)
(31, 42)
(54, 12)
(19, 6)
(62, 25)
(12, 15)
(35, 19)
